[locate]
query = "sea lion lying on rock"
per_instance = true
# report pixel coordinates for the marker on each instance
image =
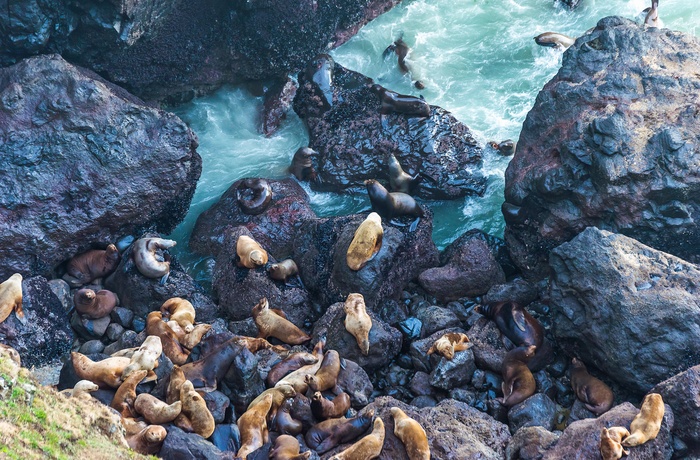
(11, 298)
(149, 262)
(90, 265)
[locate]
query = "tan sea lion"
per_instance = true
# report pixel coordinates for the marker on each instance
(146, 356)
(106, 373)
(326, 378)
(177, 378)
(399, 180)
(290, 364)
(554, 40)
(324, 409)
(302, 166)
(171, 346)
(88, 266)
(156, 411)
(250, 253)
(11, 298)
(179, 310)
(411, 434)
(366, 448)
(254, 195)
(518, 382)
(81, 388)
(93, 304)
(298, 378)
(271, 324)
(389, 205)
(287, 448)
(393, 102)
(610, 447)
(450, 343)
(366, 243)
(646, 424)
(279, 395)
(125, 396)
(195, 408)
(282, 271)
(147, 260)
(193, 338)
(256, 344)
(253, 427)
(357, 322)
(652, 17)
(148, 441)
(283, 421)
(592, 392)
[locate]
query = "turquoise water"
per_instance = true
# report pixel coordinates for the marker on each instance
(477, 59)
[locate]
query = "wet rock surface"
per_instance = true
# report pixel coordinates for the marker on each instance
(610, 142)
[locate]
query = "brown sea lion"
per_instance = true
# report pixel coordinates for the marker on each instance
(366, 448)
(11, 298)
(171, 346)
(156, 411)
(283, 421)
(208, 371)
(93, 304)
(610, 447)
(411, 434)
(279, 395)
(302, 166)
(146, 356)
(195, 409)
(253, 427)
(148, 441)
(179, 310)
(324, 409)
(340, 433)
(366, 243)
(357, 322)
(652, 17)
(254, 196)
(518, 382)
(88, 266)
(450, 343)
(646, 424)
(147, 260)
(393, 102)
(401, 49)
(250, 253)
(326, 378)
(298, 378)
(193, 338)
(256, 344)
(505, 148)
(282, 271)
(389, 205)
(287, 365)
(125, 396)
(554, 40)
(271, 324)
(177, 378)
(592, 392)
(399, 180)
(287, 448)
(106, 373)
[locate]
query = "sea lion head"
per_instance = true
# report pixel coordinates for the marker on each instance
(317, 396)
(257, 258)
(111, 252)
(154, 434)
(261, 306)
(85, 296)
(287, 390)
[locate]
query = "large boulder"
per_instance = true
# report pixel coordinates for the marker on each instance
(610, 142)
(274, 228)
(353, 139)
(682, 393)
(630, 310)
(83, 162)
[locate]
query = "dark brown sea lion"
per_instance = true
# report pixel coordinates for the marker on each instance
(206, 372)
(125, 396)
(11, 298)
(505, 148)
(271, 324)
(171, 346)
(399, 180)
(592, 392)
(324, 409)
(322, 439)
(401, 49)
(254, 195)
(93, 304)
(287, 448)
(290, 364)
(283, 421)
(393, 102)
(149, 262)
(302, 166)
(88, 266)
(320, 73)
(368, 447)
(326, 377)
(389, 205)
(554, 40)
(282, 271)
(518, 382)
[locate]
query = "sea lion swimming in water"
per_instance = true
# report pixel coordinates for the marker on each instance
(302, 166)
(652, 17)
(505, 148)
(554, 40)
(401, 49)
(254, 195)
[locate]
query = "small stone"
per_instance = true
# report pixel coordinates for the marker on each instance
(89, 328)
(420, 384)
(92, 346)
(138, 324)
(410, 328)
(122, 316)
(114, 331)
(423, 401)
(579, 412)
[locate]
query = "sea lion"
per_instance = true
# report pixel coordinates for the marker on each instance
(393, 102)
(193, 338)
(83, 387)
(10, 353)
(324, 409)
(125, 396)
(156, 411)
(208, 371)
(319, 72)
(287, 448)
(357, 322)
(93, 304)
(302, 166)
(282, 271)
(326, 377)
(148, 441)
(646, 424)
(195, 409)
(179, 310)
(256, 344)
(366, 242)
(271, 324)
(106, 373)
(250, 253)
(11, 298)
(283, 421)
(146, 356)
(399, 180)
(279, 395)
(297, 379)
(411, 434)
(518, 382)
(171, 346)
(554, 40)
(592, 392)
(254, 196)
(88, 266)
(450, 343)
(514, 322)
(253, 427)
(346, 431)
(505, 148)
(610, 447)
(389, 205)
(366, 448)
(148, 262)
(177, 378)
(287, 365)
(652, 17)
(401, 49)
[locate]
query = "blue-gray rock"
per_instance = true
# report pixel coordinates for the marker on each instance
(419, 350)
(356, 383)
(537, 410)
(455, 372)
(92, 346)
(181, 445)
(122, 316)
(530, 443)
(88, 328)
(489, 350)
(435, 319)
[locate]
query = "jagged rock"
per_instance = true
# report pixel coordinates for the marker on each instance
(571, 4)
(455, 372)
(356, 383)
(537, 410)
(273, 229)
(61, 289)
(243, 379)
(653, 297)
(682, 393)
(88, 328)
(530, 443)
(278, 101)
(320, 250)
(217, 403)
(95, 163)
(610, 142)
(92, 346)
(489, 351)
(353, 139)
(434, 318)
(179, 444)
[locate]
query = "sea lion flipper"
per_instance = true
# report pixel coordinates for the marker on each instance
(414, 225)
(343, 363)
(389, 49)
(19, 313)
(626, 452)
(519, 318)
(164, 279)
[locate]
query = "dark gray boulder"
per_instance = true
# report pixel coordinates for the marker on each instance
(537, 410)
(682, 393)
(181, 445)
(630, 310)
